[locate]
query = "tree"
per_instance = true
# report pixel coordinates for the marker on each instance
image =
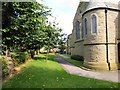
(62, 42)
(25, 28)
(52, 38)
(23, 25)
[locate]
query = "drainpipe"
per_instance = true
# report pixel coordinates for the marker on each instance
(107, 39)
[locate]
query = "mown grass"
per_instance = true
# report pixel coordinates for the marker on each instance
(75, 62)
(67, 55)
(41, 74)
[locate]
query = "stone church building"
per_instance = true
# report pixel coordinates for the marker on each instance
(96, 35)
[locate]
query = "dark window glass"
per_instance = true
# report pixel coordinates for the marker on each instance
(77, 30)
(94, 24)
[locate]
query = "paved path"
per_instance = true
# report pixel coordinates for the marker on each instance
(113, 76)
(63, 56)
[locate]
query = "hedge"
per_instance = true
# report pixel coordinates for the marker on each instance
(77, 57)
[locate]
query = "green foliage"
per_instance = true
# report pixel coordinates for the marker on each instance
(76, 62)
(15, 59)
(62, 43)
(77, 57)
(19, 58)
(5, 70)
(52, 37)
(23, 25)
(24, 56)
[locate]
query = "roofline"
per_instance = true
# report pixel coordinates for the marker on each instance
(69, 34)
(77, 9)
(113, 9)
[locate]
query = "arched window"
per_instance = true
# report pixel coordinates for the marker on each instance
(85, 26)
(82, 31)
(77, 30)
(94, 24)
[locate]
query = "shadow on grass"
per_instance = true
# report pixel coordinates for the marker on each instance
(38, 58)
(52, 57)
(57, 58)
(43, 57)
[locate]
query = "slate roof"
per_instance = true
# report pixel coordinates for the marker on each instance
(98, 4)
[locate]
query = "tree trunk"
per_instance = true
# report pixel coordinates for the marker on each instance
(38, 51)
(47, 55)
(32, 53)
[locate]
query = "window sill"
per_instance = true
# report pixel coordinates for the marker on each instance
(80, 40)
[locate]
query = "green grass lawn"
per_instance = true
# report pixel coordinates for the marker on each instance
(41, 74)
(75, 62)
(67, 55)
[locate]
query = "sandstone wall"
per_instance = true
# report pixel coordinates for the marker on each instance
(113, 35)
(119, 27)
(73, 40)
(113, 28)
(101, 33)
(79, 48)
(112, 21)
(78, 44)
(95, 57)
(95, 48)
(113, 58)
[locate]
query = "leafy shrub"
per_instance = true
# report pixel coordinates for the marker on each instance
(23, 56)
(62, 52)
(5, 70)
(13, 55)
(16, 61)
(15, 58)
(77, 57)
(19, 58)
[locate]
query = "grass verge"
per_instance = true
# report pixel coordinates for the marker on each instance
(75, 62)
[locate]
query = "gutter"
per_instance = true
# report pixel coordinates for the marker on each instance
(107, 40)
(112, 9)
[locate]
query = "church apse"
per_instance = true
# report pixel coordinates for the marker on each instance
(99, 35)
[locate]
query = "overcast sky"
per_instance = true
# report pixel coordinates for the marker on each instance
(64, 11)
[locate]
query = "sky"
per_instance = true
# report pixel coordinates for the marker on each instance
(64, 11)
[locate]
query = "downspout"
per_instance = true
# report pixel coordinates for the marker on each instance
(107, 39)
